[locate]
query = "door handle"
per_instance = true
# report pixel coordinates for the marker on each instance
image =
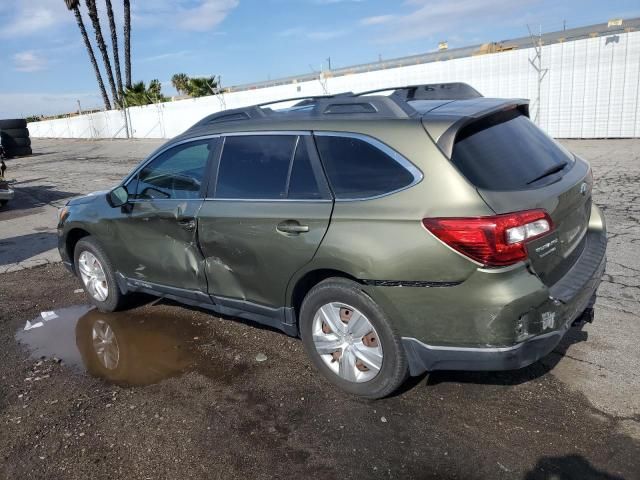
(292, 227)
(189, 224)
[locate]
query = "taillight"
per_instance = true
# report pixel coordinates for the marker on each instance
(494, 241)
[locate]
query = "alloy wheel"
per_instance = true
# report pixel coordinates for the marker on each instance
(93, 276)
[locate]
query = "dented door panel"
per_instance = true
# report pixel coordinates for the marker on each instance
(247, 257)
(158, 245)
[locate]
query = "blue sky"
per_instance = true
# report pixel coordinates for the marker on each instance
(45, 68)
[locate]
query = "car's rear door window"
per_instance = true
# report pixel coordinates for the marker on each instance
(357, 168)
(255, 166)
(507, 151)
(270, 167)
(175, 174)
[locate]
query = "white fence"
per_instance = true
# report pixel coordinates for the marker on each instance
(591, 90)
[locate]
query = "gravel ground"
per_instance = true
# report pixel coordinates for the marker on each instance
(190, 400)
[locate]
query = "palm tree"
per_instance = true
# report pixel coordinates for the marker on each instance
(138, 94)
(93, 15)
(202, 86)
(75, 6)
(114, 46)
(127, 42)
(180, 82)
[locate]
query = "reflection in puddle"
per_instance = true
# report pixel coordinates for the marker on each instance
(136, 347)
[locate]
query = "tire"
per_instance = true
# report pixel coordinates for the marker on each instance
(115, 299)
(340, 292)
(15, 132)
(13, 123)
(13, 142)
(18, 151)
(3, 202)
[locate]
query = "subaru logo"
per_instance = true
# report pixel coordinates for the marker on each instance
(583, 188)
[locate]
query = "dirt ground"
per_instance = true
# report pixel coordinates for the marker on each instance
(189, 398)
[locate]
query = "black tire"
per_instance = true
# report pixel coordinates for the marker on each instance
(115, 300)
(13, 123)
(18, 151)
(3, 202)
(13, 142)
(394, 370)
(15, 132)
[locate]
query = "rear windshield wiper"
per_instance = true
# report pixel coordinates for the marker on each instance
(548, 171)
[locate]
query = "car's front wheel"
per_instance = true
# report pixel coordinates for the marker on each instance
(350, 340)
(95, 270)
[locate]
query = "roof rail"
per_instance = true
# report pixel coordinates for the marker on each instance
(313, 107)
(430, 91)
(361, 105)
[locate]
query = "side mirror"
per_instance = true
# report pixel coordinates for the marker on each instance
(118, 197)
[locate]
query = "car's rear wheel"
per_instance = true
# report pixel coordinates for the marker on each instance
(350, 340)
(95, 270)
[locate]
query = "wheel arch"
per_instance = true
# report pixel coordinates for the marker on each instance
(307, 281)
(73, 236)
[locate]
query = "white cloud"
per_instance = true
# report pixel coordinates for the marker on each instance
(165, 56)
(29, 61)
(314, 34)
(429, 17)
(183, 14)
(377, 20)
(24, 18)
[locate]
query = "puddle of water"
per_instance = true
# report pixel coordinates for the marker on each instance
(136, 347)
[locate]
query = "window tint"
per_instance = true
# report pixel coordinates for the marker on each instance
(175, 174)
(303, 184)
(358, 169)
(507, 151)
(255, 166)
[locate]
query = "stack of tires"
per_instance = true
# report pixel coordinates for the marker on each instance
(14, 136)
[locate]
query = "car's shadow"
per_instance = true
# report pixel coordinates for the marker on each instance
(568, 467)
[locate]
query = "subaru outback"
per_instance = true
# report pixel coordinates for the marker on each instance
(395, 232)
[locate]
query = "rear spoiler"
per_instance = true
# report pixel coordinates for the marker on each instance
(445, 122)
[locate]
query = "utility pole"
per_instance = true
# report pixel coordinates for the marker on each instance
(536, 63)
(79, 108)
(329, 63)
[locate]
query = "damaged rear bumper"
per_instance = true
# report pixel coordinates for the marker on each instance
(424, 357)
(570, 298)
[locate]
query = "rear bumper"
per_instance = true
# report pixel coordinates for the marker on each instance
(424, 357)
(567, 300)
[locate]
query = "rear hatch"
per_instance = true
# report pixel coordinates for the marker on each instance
(515, 166)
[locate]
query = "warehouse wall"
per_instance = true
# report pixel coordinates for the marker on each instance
(590, 91)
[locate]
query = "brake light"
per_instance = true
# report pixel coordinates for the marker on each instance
(494, 241)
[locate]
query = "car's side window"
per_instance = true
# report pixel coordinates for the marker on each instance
(255, 166)
(175, 174)
(358, 169)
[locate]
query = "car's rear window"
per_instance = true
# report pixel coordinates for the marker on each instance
(507, 151)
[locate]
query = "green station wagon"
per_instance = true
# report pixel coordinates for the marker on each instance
(395, 232)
